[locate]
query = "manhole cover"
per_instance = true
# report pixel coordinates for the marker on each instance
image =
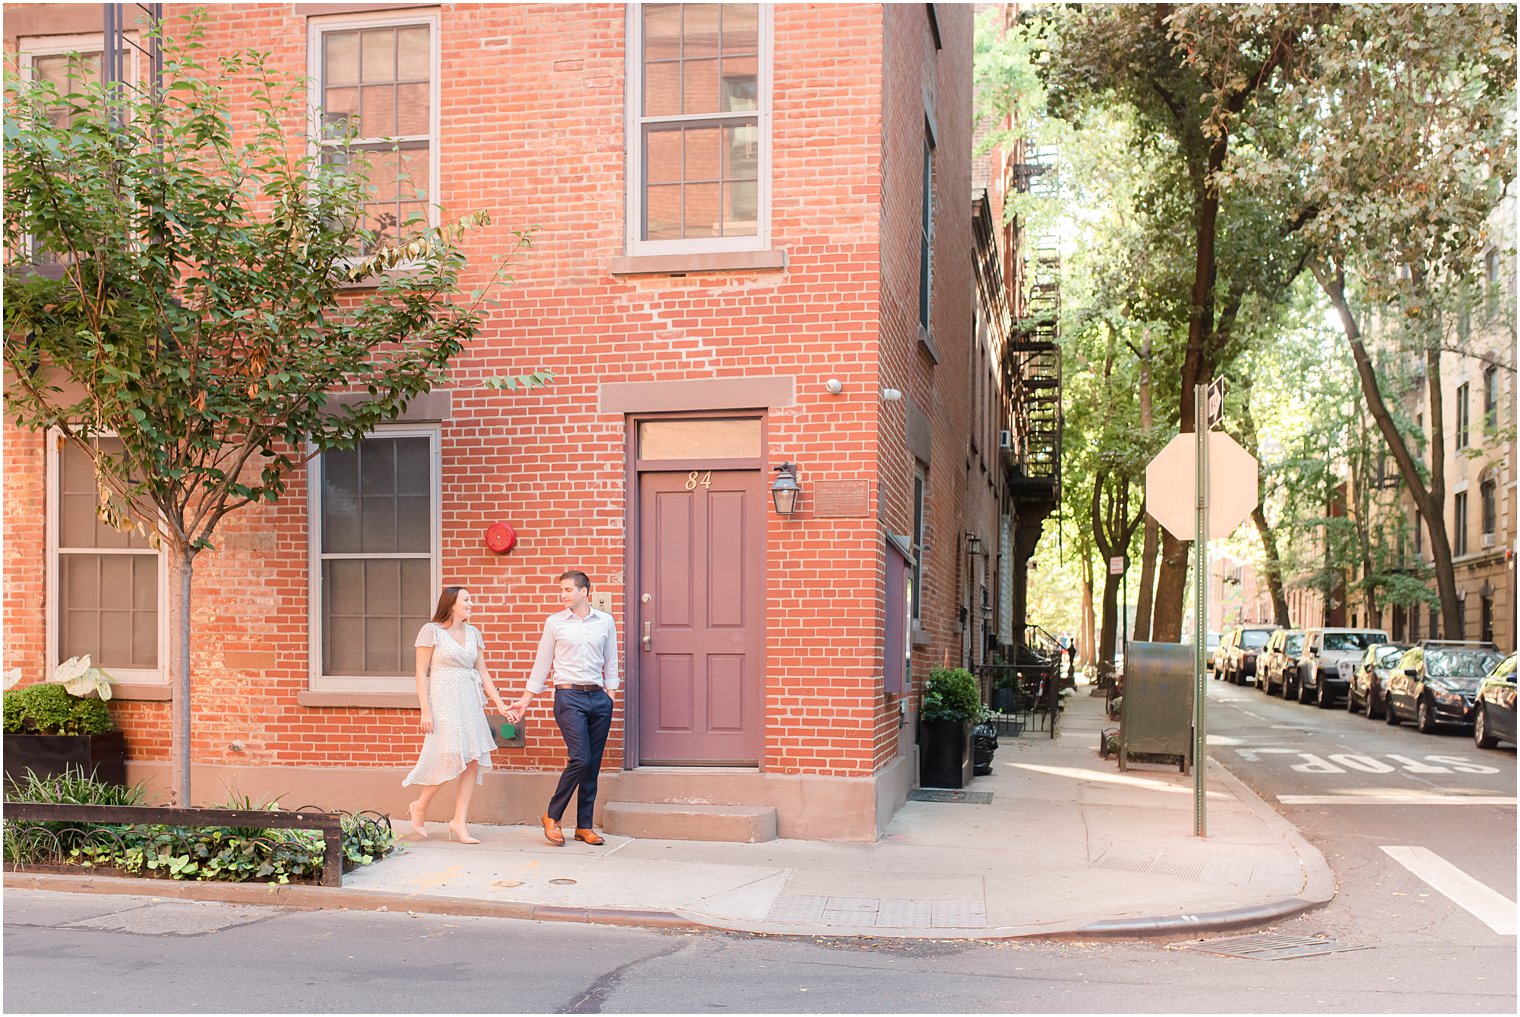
(1270, 947)
(562, 882)
(938, 794)
(507, 884)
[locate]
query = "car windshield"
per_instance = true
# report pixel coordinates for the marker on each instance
(1352, 640)
(1386, 655)
(1295, 643)
(1460, 663)
(1255, 639)
(1212, 641)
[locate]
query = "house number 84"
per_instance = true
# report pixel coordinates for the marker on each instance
(695, 477)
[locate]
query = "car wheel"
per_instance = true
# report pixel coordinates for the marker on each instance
(1305, 696)
(1426, 718)
(1390, 712)
(1374, 710)
(1481, 736)
(1326, 698)
(1351, 699)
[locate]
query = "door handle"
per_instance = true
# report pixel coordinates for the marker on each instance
(647, 635)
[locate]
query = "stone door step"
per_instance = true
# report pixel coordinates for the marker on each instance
(736, 824)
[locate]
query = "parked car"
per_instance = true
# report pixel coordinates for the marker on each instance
(1221, 649)
(1321, 679)
(1279, 661)
(1369, 683)
(1436, 682)
(1494, 708)
(1245, 647)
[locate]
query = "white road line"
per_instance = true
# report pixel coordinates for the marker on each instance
(1394, 798)
(1491, 908)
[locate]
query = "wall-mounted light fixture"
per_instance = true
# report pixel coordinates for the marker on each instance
(833, 386)
(890, 395)
(785, 492)
(973, 544)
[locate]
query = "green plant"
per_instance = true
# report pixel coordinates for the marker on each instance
(951, 693)
(49, 709)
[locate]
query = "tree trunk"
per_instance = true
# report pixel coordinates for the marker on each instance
(1274, 568)
(1171, 588)
(1431, 500)
(181, 572)
(1085, 651)
(1110, 621)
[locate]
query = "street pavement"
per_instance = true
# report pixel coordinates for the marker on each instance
(1056, 842)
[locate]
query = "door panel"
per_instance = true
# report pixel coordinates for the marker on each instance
(701, 558)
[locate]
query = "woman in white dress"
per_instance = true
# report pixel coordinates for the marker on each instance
(452, 684)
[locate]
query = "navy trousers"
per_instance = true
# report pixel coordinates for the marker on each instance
(584, 717)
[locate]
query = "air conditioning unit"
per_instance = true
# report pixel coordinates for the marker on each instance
(1488, 540)
(1005, 440)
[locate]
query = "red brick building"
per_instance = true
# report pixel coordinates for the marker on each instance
(737, 207)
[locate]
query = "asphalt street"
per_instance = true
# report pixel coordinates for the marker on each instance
(1414, 827)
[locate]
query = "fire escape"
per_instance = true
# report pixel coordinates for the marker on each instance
(1032, 372)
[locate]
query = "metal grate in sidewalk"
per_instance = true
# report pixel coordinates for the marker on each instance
(1268, 946)
(945, 794)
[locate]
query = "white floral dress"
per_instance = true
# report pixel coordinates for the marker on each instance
(457, 701)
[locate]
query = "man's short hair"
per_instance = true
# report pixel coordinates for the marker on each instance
(577, 577)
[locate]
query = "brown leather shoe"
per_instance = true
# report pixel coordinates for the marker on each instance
(552, 832)
(589, 836)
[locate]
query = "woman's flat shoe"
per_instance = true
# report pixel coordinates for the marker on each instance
(589, 836)
(552, 831)
(463, 835)
(419, 825)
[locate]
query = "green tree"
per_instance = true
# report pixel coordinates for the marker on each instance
(192, 295)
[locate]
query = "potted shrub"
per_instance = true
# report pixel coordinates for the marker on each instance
(63, 723)
(951, 702)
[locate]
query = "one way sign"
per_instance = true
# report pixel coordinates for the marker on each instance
(1216, 401)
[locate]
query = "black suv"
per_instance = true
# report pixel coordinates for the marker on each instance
(1436, 682)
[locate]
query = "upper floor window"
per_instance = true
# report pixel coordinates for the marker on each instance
(1463, 403)
(376, 84)
(1491, 399)
(926, 236)
(1489, 492)
(699, 128)
(375, 551)
(1459, 523)
(107, 586)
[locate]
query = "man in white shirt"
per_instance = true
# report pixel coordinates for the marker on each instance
(579, 646)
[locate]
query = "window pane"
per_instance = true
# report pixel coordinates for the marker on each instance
(377, 523)
(382, 588)
(78, 634)
(741, 202)
(699, 32)
(662, 161)
(412, 109)
(413, 523)
(699, 86)
(115, 640)
(416, 594)
(662, 89)
(741, 152)
(702, 214)
(700, 439)
(342, 58)
(382, 646)
(338, 106)
(377, 466)
(79, 501)
(662, 212)
(662, 31)
(741, 28)
(413, 55)
(377, 112)
(145, 639)
(703, 155)
(413, 465)
(340, 501)
(379, 58)
(344, 650)
(413, 174)
(741, 84)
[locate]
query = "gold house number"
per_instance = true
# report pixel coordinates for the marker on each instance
(696, 477)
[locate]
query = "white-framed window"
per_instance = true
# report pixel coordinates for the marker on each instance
(107, 590)
(926, 238)
(1464, 400)
(380, 75)
(375, 548)
(698, 128)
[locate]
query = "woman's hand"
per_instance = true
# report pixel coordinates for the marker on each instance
(502, 708)
(427, 721)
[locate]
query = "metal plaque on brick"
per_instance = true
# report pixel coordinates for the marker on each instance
(841, 499)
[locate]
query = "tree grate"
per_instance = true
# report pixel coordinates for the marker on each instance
(1267, 946)
(936, 794)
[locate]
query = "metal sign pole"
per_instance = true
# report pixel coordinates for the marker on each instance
(1200, 610)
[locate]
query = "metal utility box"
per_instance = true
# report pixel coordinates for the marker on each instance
(1156, 713)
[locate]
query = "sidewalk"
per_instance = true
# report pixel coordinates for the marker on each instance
(1066, 846)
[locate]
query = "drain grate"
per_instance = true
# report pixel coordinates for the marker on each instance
(945, 794)
(1267, 946)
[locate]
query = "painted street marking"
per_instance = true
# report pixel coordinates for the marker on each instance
(1340, 762)
(1488, 906)
(1385, 797)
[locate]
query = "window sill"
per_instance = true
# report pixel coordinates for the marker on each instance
(142, 692)
(372, 282)
(374, 700)
(926, 341)
(921, 637)
(681, 264)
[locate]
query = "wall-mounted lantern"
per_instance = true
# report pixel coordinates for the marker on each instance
(785, 492)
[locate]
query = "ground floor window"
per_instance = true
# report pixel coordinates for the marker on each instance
(375, 548)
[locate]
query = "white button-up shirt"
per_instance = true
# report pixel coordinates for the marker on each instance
(580, 651)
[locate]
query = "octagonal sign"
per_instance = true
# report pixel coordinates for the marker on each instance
(1171, 485)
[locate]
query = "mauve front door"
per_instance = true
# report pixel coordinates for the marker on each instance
(700, 628)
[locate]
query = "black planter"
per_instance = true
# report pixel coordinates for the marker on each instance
(944, 759)
(104, 755)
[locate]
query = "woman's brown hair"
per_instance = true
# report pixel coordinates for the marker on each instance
(446, 604)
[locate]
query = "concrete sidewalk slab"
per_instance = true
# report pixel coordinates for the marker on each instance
(1067, 846)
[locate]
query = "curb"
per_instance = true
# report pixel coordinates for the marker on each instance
(1319, 882)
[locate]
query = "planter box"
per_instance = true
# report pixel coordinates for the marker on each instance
(944, 754)
(105, 755)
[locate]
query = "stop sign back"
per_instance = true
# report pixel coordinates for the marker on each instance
(1171, 485)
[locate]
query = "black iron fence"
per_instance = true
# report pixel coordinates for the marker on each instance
(1021, 696)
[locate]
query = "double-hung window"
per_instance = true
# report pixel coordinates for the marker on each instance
(698, 128)
(1459, 523)
(107, 586)
(916, 594)
(375, 550)
(1464, 400)
(375, 84)
(926, 239)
